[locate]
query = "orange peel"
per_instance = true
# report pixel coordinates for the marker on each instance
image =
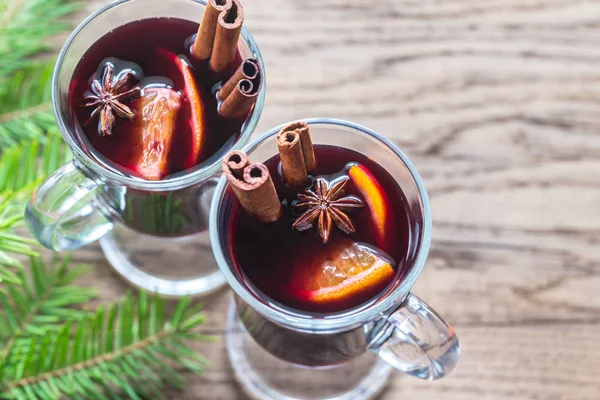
(372, 280)
(187, 150)
(376, 199)
(357, 271)
(156, 123)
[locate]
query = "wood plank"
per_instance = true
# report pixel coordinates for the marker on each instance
(497, 104)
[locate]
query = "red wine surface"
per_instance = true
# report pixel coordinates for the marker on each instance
(275, 259)
(137, 43)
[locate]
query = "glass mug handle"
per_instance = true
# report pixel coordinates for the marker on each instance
(63, 213)
(418, 342)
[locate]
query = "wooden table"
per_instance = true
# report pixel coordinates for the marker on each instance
(497, 102)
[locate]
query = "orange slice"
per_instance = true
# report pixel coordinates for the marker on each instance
(191, 135)
(155, 128)
(377, 201)
(358, 272)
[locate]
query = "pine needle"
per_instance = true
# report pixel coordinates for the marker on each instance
(29, 162)
(27, 126)
(25, 80)
(25, 104)
(122, 352)
(41, 306)
(22, 169)
(26, 26)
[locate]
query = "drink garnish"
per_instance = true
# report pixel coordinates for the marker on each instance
(188, 146)
(327, 205)
(253, 186)
(248, 70)
(377, 201)
(156, 123)
(296, 152)
(239, 93)
(252, 183)
(218, 34)
(108, 96)
(354, 270)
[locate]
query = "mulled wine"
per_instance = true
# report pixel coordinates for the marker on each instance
(148, 103)
(341, 237)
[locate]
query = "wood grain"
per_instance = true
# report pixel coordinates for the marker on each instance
(497, 102)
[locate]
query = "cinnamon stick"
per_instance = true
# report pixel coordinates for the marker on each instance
(296, 153)
(219, 33)
(307, 146)
(202, 47)
(240, 92)
(236, 161)
(248, 70)
(254, 189)
(226, 37)
(292, 159)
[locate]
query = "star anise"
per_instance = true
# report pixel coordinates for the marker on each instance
(108, 97)
(326, 204)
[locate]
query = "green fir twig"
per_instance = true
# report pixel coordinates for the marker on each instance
(22, 169)
(30, 148)
(26, 26)
(40, 306)
(25, 104)
(126, 351)
(25, 78)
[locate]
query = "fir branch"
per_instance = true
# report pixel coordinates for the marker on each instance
(41, 305)
(26, 26)
(10, 218)
(31, 161)
(25, 83)
(124, 351)
(25, 104)
(22, 168)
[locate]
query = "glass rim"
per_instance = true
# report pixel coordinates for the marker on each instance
(339, 322)
(175, 183)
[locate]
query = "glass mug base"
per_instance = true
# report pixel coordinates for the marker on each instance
(263, 376)
(171, 267)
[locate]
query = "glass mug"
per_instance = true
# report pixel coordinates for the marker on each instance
(145, 227)
(347, 355)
